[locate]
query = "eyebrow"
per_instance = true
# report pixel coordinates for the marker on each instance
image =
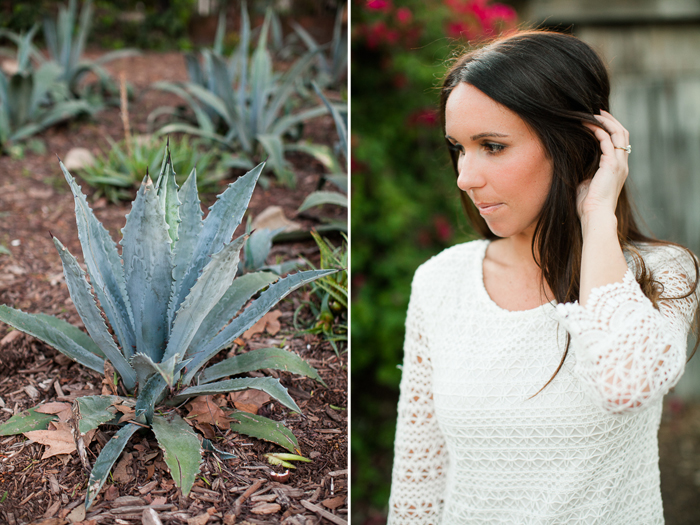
(481, 135)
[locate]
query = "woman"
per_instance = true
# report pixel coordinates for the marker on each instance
(536, 360)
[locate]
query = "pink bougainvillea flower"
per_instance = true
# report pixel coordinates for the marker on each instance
(423, 117)
(404, 15)
(503, 12)
(379, 5)
(459, 30)
(443, 229)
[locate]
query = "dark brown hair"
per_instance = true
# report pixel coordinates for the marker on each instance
(554, 82)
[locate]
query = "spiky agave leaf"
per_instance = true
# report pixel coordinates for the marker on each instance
(104, 267)
(212, 284)
(84, 301)
(217, 229)
(270, 297)
(148, 268)
(111, 451)
(181, 449)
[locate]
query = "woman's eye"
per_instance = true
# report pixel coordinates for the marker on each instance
(456, 147)
(492, 147)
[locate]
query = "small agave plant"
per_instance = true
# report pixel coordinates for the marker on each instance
(173, 301)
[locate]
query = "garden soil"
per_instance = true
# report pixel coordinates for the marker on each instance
(35, 203)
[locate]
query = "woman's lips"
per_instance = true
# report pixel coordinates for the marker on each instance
(486, 208)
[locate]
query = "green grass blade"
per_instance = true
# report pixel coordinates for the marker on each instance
(181, 449)
(276, 358)
(261, 427)
(47, 332)
(111, 451)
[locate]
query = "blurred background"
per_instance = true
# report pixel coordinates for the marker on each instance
(405, 205)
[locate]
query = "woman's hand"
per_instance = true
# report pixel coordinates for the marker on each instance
(599, 195)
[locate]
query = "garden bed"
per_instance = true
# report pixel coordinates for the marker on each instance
(36, 202)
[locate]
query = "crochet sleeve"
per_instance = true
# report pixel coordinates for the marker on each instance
(420, 456)
(628, 353)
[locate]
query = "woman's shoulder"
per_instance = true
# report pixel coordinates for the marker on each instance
(451, 264)
(663, 257)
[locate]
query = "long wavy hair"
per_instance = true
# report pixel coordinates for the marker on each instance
(554, 82)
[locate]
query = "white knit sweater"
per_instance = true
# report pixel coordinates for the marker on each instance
(473, 447)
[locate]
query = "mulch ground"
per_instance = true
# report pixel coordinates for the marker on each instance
(35, 200)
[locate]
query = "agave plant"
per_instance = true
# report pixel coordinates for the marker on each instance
(66, 43)
(338, 172)
(242, 103)
(33, 99)
(172, 300)
(333, 67)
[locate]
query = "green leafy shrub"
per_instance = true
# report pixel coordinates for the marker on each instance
(118, 171)
(405, 203)
(33, 99)
(330, 315)
(172, 300)
(242, 102)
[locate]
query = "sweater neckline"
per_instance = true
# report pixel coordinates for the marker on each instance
(484, 296)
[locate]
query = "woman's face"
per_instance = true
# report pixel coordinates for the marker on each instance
(502, 164)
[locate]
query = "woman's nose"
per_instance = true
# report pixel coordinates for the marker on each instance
(470, 176)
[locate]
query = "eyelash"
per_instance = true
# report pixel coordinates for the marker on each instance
(491, 148)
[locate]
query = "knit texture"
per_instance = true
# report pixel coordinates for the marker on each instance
(472, 445)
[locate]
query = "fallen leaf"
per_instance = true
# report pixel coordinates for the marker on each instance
(53, 407)
(51, 521)
(108, 386)
(249, 400)
(199, 520)
(204, 409)
(267, 323)
(333, 503)
(77, 514)
(53, 509)
(57, 441)
(120, 473)
(111, 493)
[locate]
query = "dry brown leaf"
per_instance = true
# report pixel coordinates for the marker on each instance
(53, 509)
(53, 408)
(204, 409)
(333, 503)
(50, 521)
(268, 323)
(77, 514)
(56, 441)
(64, 411)
(108, 386)
(249, 400)
(199, 520)
(111, 493)
(120, 473)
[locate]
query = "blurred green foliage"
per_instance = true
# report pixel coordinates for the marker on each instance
(161, 25)
(405, 202)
